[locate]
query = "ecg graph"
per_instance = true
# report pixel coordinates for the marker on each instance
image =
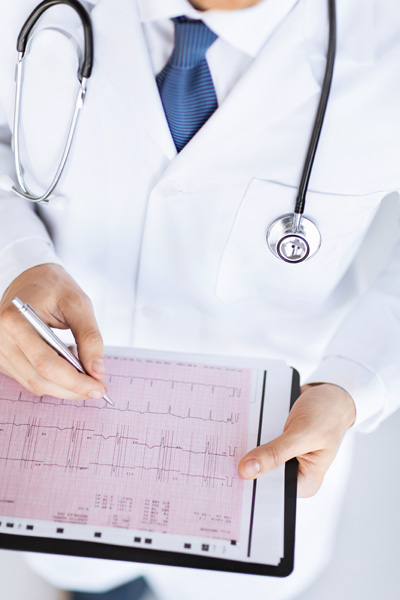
(163, 459)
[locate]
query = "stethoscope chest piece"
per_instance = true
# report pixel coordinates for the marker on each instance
(293, 239)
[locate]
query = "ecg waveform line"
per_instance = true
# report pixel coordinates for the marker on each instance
(233, 390)
(32, 426)
(167, 451)
(232, 418)
(165, 448)
(30, 446)
(170, 446)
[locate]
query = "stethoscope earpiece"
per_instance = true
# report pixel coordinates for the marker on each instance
(293, 238)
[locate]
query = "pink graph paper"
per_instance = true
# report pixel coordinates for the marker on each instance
(163, 459)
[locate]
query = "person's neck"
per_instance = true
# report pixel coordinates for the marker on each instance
(196, 6)
(204, 5)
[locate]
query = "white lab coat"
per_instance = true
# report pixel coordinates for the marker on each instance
(171, 249)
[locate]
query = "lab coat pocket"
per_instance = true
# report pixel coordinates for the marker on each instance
(249, 269)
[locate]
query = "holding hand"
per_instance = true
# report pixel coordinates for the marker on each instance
(313, 432)
(24, 356)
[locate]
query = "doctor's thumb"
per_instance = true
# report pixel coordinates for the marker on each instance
(88, 339)
(270, 456)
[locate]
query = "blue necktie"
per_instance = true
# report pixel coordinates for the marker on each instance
(185, 84)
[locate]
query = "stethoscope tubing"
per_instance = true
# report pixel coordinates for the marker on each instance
(85, 68)
(321, 111)
(84, 72)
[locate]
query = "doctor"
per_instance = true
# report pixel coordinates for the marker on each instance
(147, 246)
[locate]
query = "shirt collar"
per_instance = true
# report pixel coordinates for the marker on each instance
(247, 29)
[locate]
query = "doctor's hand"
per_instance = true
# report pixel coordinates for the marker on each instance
(313, 433)
(24, 356)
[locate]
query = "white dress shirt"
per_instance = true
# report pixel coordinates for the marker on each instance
(241, 35)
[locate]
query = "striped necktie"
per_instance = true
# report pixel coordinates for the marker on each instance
(185, 84)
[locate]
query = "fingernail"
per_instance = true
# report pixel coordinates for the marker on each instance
(251, 468)
(96, 394)
(98, 365)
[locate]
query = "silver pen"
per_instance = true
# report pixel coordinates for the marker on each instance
(50, 338)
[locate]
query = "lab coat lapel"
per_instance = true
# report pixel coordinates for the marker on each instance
(123, 62)
(288, 71)
(279, 80)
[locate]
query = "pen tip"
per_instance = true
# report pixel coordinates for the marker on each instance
(108, 399)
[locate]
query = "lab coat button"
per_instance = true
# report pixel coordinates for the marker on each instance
(168, 189)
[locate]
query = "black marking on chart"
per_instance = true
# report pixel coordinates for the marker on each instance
(233, 390)
(31, 442)
(165, 447)
(158, 457)
(253, 500)
(233, 418)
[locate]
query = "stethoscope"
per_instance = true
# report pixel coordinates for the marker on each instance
(292, 238)
(84, 72)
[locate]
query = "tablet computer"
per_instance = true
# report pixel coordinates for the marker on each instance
(154, 478)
